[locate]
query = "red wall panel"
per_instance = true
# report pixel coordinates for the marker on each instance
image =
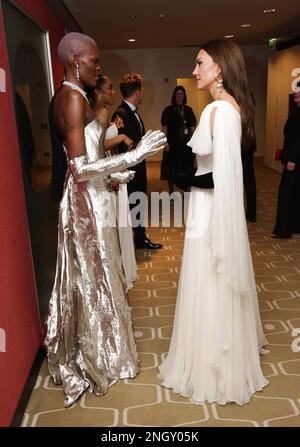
(19, 315)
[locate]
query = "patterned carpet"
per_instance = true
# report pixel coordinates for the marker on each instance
(141, 401)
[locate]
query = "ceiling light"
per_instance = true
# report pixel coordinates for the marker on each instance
(133, 16)
(246, 25)
(161, 16)
(269, 11)
(131, 40)
(229, 36)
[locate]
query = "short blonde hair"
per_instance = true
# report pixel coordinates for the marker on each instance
(73, 44)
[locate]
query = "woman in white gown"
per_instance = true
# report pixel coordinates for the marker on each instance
(102, 96)
(217, 335)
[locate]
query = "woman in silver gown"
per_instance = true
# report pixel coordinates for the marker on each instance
(89, 338)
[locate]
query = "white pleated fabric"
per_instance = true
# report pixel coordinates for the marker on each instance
(126, 236)
(124, 225)
(217, 333)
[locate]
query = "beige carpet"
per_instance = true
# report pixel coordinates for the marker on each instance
(142, 402)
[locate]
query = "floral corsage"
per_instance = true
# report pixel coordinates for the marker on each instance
(119, 122)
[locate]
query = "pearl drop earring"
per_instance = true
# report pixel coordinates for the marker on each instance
(77, 72)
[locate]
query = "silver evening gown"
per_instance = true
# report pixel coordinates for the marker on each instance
(89, 339)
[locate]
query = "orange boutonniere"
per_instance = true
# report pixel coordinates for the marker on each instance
(118, 122)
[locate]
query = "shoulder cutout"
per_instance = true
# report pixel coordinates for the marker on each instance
(212, 119)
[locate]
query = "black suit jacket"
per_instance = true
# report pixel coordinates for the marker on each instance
(135, 131)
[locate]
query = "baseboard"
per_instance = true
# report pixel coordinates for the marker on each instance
(27, 390)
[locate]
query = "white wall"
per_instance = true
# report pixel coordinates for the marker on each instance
(279, 87)
(161, 68)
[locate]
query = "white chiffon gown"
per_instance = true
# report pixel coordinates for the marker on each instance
(217, 334)
(124, 225)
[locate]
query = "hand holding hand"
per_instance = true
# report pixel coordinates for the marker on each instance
(128, 141)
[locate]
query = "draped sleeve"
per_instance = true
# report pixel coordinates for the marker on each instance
(227, 231)
(201, 141)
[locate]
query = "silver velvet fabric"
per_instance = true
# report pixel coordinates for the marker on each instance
(89, 340)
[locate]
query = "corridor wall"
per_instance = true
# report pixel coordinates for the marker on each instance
(20, 327)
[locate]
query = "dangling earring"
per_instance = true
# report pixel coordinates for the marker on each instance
(77, 71)
(219, 85)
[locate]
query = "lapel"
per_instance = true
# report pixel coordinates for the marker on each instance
(134, 119)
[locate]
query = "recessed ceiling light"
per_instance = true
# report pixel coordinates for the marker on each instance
(161, 16)
(133, 16)
(131, 40)
(229, 36)
(269, 11)
(246, 25)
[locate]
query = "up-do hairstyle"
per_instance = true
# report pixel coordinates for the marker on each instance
(73, 44)
(233, 71)
(130, 83)
(176, 89)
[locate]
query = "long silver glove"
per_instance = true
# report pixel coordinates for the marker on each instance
(151, 143)
(122, 177)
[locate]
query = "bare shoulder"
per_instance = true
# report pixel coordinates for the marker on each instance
(102, 116)
(73, 107)
(72, 98)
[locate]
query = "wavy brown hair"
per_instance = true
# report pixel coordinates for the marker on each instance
(231, 61)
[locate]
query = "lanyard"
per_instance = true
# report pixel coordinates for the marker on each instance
(181, 113)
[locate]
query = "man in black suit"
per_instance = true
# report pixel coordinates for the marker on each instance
(131, 124)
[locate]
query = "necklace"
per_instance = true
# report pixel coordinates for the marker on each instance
(76, 87)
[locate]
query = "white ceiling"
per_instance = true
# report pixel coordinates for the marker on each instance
(185, 22)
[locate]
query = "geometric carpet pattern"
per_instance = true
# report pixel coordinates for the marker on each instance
(142, 402)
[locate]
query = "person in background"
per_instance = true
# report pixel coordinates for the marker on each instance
(288, 209)
(178, 123)
(102, 96)
(130, 123)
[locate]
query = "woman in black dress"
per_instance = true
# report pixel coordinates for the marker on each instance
(178, 123)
